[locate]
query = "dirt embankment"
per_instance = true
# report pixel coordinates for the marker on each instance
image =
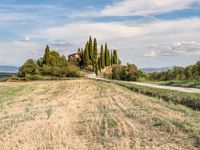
(85, 114)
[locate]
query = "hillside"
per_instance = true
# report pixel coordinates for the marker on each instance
(148, 70)
(8, 69)
(4, 76)
(86, 114)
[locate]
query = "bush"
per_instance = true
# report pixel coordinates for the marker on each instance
(29, 68)
(116, 71)
(73, 71)
(14, 78)
(108, 75)
(127, 73)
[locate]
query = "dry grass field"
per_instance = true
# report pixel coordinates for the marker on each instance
(86, 114)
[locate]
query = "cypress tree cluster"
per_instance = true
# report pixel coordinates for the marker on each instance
(98, 61)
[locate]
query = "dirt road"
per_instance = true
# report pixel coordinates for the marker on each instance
(181, 89)
(87, 114)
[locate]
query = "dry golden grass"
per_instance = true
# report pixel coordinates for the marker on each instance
(85, 114)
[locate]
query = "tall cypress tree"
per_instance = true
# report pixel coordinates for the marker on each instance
(86, 56)
(106, 55)
(46, 55)
(115, 57)
(99, 64)
(95, 53)
(81, 63)
(91, 50)
(96, 67)
(111, 58)
(95, 49)
(102, 58)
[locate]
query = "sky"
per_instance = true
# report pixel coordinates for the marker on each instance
(148, 33)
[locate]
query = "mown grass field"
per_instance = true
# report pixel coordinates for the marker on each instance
(89, 114)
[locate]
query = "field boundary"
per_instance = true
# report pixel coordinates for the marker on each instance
(191, 100)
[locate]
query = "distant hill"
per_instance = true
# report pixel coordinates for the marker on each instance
(155, 69)
(8, 69)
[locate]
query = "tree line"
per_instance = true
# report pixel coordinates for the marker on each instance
(51, 64)
(191, 72)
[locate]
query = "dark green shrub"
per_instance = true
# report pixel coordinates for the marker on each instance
(29, 68)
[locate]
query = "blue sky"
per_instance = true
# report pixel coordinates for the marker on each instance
(148, 33)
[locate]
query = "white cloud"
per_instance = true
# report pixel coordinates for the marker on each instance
(145, 7)
(101, 30)
(17, 52)
(27, 38)
(139, 8)
(159, 31)
(116, 30)
(176, 49)
(151, 54)
(11, 14)
(186, 48)
(10, 17)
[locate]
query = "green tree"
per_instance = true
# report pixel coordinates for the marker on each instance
(124, 73)
(40, 62)
(95, 54)
(54, 58)
(197, 72)
(91, 50)
(115, 57)
(132, 72)
(95, 49)
(106, 53)
(116, 72)
(86, 56)
(107, 56)
(46, 57)
(81, 63)
(102, 57)
(111, 58)
(96, 67)
(30, 68)
(188, 72)
(99, 64)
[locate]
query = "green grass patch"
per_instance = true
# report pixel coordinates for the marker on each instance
(161, 122)
(9, 92)
(196, 135)
(111, 123)
(186, 83)
(49, 112)
(103, 111)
